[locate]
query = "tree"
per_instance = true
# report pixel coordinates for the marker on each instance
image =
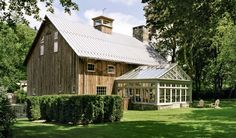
(7, 116)
(14, 45)
(223, 65)
(187, 28)
(13, 11)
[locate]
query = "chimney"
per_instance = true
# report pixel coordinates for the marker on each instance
(141, 33)
(103, 24)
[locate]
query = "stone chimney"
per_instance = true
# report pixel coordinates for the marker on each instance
(141, 33)
(103, 24)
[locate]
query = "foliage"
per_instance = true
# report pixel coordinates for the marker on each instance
(21, 96)
(188, 29)
(7, 115)
(14, 44)
(169, 123)
(14, 11)
(222, 66)
(75, 109)
(33, 108)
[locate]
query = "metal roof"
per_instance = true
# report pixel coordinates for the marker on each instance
(91, 43)
(147, 72)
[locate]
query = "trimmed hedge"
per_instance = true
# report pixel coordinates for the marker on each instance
(33, 108)
(75, 109)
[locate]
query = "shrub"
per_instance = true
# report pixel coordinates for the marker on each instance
(7, 116)
(20, 96)
(47, 107)
(33, 108)
(77, 109)
(113, 108)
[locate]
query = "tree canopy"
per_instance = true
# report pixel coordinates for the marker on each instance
(13, 11)
(14, 45)
(188, 31)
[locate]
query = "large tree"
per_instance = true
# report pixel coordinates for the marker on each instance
(222, 68)
(186, 29)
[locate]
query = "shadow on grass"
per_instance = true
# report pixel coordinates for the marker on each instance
(227, 112)
(128, 129)
(204, 122)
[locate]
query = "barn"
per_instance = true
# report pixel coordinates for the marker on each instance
(68, 57)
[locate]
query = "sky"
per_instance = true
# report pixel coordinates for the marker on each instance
(126, 13)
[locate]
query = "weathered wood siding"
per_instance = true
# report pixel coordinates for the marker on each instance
(64, 72)
(52, 72)
(89, 81)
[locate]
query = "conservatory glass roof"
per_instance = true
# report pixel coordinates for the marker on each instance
(163, 71)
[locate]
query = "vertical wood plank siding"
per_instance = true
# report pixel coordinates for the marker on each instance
(63, 72)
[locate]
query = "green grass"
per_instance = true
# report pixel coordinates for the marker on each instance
(178, 123)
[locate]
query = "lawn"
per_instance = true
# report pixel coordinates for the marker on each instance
(178, 123)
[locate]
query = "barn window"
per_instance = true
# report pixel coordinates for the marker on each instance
(111, 69)
(42, 40)
(55, 35)
(42, 46)
(55, 49)
(101, 90)
(41, 50)
(91, 67)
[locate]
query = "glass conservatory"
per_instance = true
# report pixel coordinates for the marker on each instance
(164, 86)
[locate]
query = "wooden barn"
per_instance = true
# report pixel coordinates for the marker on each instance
(67, 57)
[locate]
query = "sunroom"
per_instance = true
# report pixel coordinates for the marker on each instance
(155, 87)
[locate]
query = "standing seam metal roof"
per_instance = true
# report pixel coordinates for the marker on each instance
(91, 43)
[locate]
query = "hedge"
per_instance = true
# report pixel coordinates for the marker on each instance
(33, 108)
(83, 109)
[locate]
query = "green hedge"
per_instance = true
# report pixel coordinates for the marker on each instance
(75, 109)
(33, 108)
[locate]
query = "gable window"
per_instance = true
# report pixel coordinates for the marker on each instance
(42, 40)
(42, 46)
(41, 49)
(55, 49)
(101, 90)
(55, 35)
(91, 67)
(111, 69)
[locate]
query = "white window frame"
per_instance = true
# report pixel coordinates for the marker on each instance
(88, 67)
(55, 46)
(101, 92)
(114, 70)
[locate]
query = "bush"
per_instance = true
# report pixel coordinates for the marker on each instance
(7, 116)
(20, 96)
(113, 109)
(33, 108)
(76, 109)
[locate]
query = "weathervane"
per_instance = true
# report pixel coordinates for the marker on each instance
(103, 11)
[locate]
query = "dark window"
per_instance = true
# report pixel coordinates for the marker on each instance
(101, 90)
(91, 67)
(111, 69)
